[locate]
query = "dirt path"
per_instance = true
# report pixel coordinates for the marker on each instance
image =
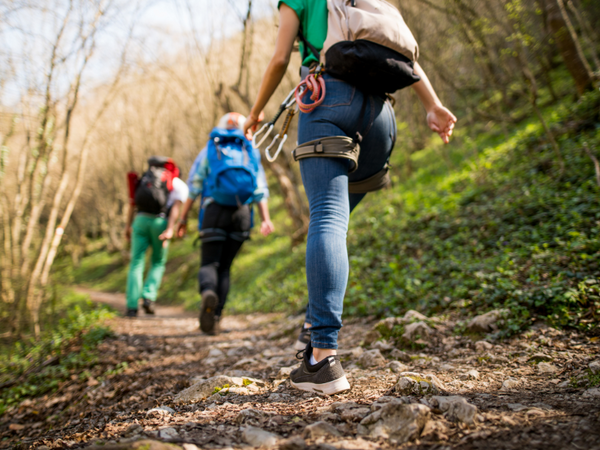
(534, 392)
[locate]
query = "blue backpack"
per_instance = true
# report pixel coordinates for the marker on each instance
(233, 167)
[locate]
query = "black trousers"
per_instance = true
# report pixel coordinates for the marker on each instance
(224, 230)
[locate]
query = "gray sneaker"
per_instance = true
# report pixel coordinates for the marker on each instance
(326, 377)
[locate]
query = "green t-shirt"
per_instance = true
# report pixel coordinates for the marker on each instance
(313, 23)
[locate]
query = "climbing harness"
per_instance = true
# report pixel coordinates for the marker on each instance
(315, 83)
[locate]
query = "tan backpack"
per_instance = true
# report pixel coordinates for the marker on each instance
(369, 45)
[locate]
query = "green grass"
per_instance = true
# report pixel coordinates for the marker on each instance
(485, 222)
(30, 368)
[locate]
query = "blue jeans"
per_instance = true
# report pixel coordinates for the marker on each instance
(326, 185)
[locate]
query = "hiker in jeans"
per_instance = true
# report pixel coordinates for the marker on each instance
(326, 180)
(155, 204)
(224, 225)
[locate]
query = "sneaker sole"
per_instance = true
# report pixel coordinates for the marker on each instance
(299, 345)
(333, 387)
(207, 313)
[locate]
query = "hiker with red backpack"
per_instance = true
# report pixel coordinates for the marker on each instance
(228, 177)
(155, 204)
(355, 53)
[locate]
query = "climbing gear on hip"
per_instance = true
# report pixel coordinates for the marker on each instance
(330, 147)
(314, 83)
(267, 128)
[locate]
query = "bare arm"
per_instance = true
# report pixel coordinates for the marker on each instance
(182, 228)
(173, 216)
(288, 30)
(439, 118)
(266, 226)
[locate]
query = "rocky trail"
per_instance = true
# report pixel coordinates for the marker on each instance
(161, 384)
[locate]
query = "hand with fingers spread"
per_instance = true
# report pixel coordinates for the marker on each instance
(441, 121)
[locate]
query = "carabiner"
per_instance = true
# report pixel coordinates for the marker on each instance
(267, 150)
(267, 128)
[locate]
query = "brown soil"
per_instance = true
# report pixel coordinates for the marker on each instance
(165, 352)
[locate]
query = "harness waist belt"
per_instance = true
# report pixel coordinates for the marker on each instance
(374, 183)
(217, 234)
(330, 147)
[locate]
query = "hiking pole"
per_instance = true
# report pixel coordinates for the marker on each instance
(268, 127)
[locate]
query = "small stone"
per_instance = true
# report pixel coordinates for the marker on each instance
(293, 443)
(16, 427)
(483, 346)
(372, 336)
(258, 437)
(215, 353)
(413, 315)
(414, 385)
(355, 415)
(133, 430)
(275, 397)
(202, 389)
(319, 429)
(397, 367)
(400, 355)
(251, 416)
(416, 329)
(371, 358)
(189, 447)
(486, 322)
(395, 421)
(592, 393)
(447, 368)
(473, 374)
(161, 410)
(388, 323)
(456, 408)
(595, 367)
(285, 372)
(329, 416)
(383, 346)
(168, 433)
(547, 368)
(510, 383)
(516, 407)
(338, 407)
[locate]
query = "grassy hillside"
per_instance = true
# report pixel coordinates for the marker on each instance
(488, 221)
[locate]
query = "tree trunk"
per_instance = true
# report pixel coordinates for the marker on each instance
(568, 45)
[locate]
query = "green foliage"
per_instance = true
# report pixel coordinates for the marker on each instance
(32, 368)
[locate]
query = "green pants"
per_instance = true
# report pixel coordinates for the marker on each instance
(146, 230)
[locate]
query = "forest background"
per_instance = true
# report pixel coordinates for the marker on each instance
(506, 217)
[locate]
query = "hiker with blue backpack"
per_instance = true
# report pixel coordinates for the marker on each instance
(229, 178)
(354, 54)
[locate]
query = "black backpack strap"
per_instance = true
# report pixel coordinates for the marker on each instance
(308, 46)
